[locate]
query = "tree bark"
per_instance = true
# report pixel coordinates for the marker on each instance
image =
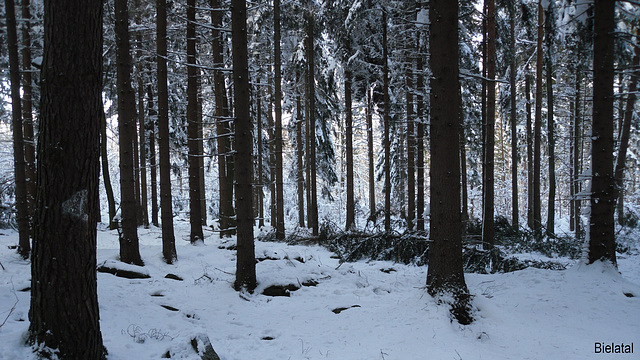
(537, 218)
(550, 128)
(445, 274)
(577, 151)
(350, 205)
(113, 222)
(411, 136)
(27, 109)
(386, 142)
(246, 262)
(166, 207)
(420, 166)
(299, 157)
(527, 93)
(64, 311)
(195, 195)
(488, 229)
(277, 61)
(129, 247)
(312, 213)
(514, 119)
(22, 207)
(151, 128)
(223, 128)
(602, 244)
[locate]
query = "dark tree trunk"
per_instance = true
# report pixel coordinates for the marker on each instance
(151, 128)
(144, 210)
(488, 229)
(279, 225)
(411, 136)
(27, 109)
(514, 120)
(166, 207)
(272, 152)
(372, 175)
(311, 140)
(420, 140)
(259, 185)
(246, 262)
(113, 223)
(299, 157)
(624, 135)
(64, 312)
(537, 218)
(129, 247)
(527, 93)
(602, 243)
(445, 273)
(22, 207)
(223, 128)
(195, 195)
(577, 150)
(386, 142)
(551, 210)
(350, 220)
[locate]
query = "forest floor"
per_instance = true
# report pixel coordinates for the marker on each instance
(359, 310)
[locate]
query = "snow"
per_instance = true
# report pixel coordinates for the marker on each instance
(529, 314)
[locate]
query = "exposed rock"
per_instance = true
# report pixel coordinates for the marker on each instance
(280, 290)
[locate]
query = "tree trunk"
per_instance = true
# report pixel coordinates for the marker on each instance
(550, 129)
(129, 247)
(22, 208)
(166, 207)
(195, 195)
(537, 219)
(350, 220)
(602, 244)
(144, 210)
(624, 135)
(514, 131)
(259, 186)
(299, 157)
(386, 142)
(64, 311)
(27, 109)
(488, 230)
(420, 166)
(246, 262)
(279, 225)
(527, 93)
(223, 127)
(113, 223)
(411, 137)
(372, 175)
(577, 150)
(445, 274)
(311, 140)
(151, 128)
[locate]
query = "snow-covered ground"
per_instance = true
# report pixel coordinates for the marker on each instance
(529, 314)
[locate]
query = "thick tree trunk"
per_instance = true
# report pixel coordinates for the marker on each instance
(551, 209)
(64, 312)
(602, 244)
(350, 206)
(223, 128)
(386, 141)
(279, 225)
(488, 229)
(445, 273)
(195, 195)
(27, 109)
(537, 218)
(166, 207)
(129, 247)
(246, 262)
(22, 207)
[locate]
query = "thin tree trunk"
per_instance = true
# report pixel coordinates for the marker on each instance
(602, 244)
(577, 150)
(299, 157)
(22, 207)
(113, 223)
(151, 128)
(372, 176)
(420, 166)
(411, 139)
(166, 207)
(537, 219)
(514, 131)
(259, 176)
(624, 135)
(144, 210)
(246, 262)
(64, 313)
(527, 93)
(445, 274)
(488, 230)
(386, 143)
(195, 195)
(279, 225)
(27, 109)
